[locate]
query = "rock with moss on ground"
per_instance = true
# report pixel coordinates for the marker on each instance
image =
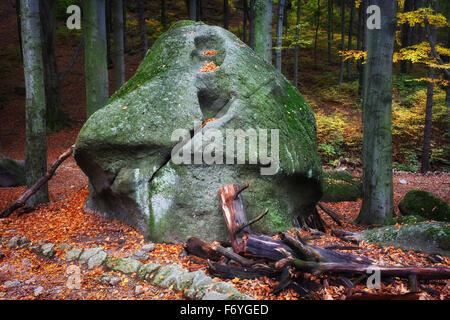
(12, 173)
(192, 73)
(340, 186)
(426, 236)
(424, 204)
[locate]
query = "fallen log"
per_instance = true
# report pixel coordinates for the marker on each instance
(201, 249)
(234, 213)
(21, 201)
(333, 215)
(423, 273)
(231, 272)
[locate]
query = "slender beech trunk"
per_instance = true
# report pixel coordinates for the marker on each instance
(252, 24)
(119, 62)
(263, 29)
(341, 69)
(350, 36)
(226, 14)
(316, 34)
(377, 204)
(279, 34)
(96, 69)
(54, 115)
(192, 9)
(330, 18)
(164, 13)
(108, 32)
(360, 43)
(244, 27)
(405, 35)
(35, 144)
(426, 149)
(285, 27)
(142, 28)
(126, 49)
(297, 36)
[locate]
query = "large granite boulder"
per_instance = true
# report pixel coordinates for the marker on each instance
(131, 148)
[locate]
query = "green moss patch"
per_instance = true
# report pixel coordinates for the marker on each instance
(424, 204)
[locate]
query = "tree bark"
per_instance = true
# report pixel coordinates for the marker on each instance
(226, 14)
(96, 69)
(316, 34)
(341, 68)
(118, 30)
(263, 29)
(35, 145)
(142, 28)
(330, 18)
(279, 34)
(377, 204)
(297, 47)
(54, 116)
(360, 43)
(349, 39)
(426, 149)
(245, 20)
(192, 10)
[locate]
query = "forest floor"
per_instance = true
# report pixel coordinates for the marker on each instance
(63, 220)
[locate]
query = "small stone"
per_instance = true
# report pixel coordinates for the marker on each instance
(97, 259)
(36, 249)
(38, 290)
(24, 242)
(13, 242)
(65, 246)
(30, 281)
(140, 255)
(125, 265)
(48, 250)
(88, 253)
(73, 254)
(11, 284)
(148, 247)
(114, 281)
(139, 290)
(402, 181)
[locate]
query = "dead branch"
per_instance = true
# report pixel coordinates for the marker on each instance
(21, 201)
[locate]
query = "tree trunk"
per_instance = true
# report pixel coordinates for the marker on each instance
(341, 68)
(108, 32)
(192, 10)
(96, 68)
(279, 35)
(244, 27)
(263, 29)
(126, 49)
(316, 34)
(142, 28)
(426, 149)
(54, 116)
(350, 35)
(226, 14)
(251, 36)
(35, 145)
(360, 43)
(330, 18)
(377, 204)
(406, 31)
(164, 13)
(297, 35)
(119, 62)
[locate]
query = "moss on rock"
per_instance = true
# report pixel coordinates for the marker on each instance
(424, 204)
(340, 186)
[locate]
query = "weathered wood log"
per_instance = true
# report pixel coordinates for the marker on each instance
(248, 224)
(347, 236)
(234, 256)
(231, 272)
(201, 249)
(310, 252)
(21, 201)
(234, 214)
(266, 247)
(424, 273)
(404, 296)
